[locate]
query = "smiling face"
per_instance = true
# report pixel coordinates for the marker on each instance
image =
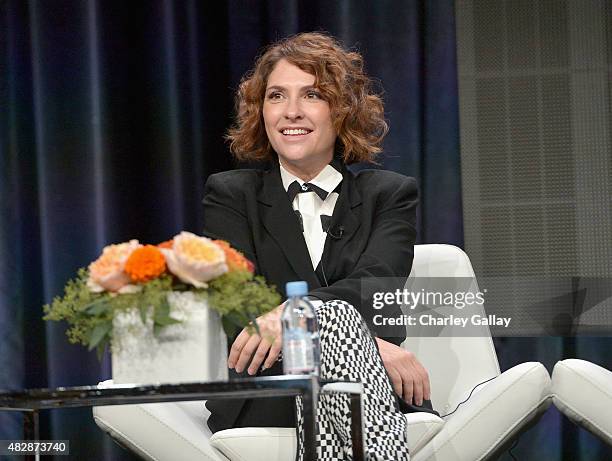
(298, 121)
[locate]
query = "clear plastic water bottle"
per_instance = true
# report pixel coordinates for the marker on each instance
(301, 350)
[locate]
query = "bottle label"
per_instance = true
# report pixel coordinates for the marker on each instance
(298, 355)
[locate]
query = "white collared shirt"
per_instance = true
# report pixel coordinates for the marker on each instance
(311, 207)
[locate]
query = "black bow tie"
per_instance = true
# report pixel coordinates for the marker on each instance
(295, 188)
(325, 221)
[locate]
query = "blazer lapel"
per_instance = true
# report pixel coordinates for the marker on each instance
(345, 221)
(281, 222)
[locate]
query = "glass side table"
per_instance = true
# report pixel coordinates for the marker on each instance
(31, 401)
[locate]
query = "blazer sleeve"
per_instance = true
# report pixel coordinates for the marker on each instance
(224, 214)
(388, 254)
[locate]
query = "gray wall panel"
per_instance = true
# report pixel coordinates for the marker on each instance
(534, 85)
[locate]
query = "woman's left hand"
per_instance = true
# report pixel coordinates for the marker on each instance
(257, 348)
(408, 377)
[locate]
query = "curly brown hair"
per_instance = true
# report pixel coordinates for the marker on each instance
(357, 111)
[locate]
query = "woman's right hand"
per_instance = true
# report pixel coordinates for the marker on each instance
(251, 349)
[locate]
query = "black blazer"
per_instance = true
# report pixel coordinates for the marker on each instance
(372, 234)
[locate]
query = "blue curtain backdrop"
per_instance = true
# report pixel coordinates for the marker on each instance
(111, 117)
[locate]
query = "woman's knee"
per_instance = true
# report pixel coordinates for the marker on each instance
(338, 311)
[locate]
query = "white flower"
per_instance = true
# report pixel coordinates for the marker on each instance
(106, 273)
(194, 259)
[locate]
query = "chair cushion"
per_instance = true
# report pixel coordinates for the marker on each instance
(256, 443)
(494, 413)
(279, 443)
(160, 431)
(420, 428)
(582, 391)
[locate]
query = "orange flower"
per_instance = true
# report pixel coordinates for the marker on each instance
(145, 263)
(234, 259)
(167, 244)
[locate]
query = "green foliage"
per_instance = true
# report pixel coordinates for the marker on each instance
(238, 296)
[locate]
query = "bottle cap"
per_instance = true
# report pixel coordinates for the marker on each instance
(296, 288)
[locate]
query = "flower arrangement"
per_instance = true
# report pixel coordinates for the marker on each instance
(130, 274)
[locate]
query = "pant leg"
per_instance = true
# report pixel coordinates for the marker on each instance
(348, 352)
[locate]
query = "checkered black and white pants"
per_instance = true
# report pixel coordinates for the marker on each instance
(348, 352)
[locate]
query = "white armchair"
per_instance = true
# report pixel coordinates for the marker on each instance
(582, 391)
(497, 410)
(492, 414)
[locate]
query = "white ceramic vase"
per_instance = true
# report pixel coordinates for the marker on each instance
(193, 350)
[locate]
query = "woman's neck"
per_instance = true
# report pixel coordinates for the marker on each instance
(304, 172)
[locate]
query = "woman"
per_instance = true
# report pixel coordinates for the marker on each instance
(307, 108)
